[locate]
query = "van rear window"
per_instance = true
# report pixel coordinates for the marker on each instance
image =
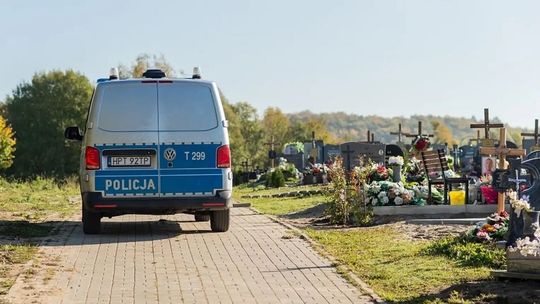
(128, 107)
(186, 107)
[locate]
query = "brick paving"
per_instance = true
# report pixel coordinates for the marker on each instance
(142, 259)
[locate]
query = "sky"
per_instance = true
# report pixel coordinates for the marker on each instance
(388, 58)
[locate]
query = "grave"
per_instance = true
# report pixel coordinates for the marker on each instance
(469, 160)
(393, 150)
(315, 149)
(353, 151)
(525, 264)
(292, 154)
(330, 152)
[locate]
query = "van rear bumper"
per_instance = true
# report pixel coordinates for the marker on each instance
(95, 202)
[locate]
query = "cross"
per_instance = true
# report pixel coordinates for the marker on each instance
(486, 126)
(535, 147)
(517, 180)
(398, 133)
(502, 151)
(348, 152)
(246, 165)
(419, 134)
(272, 144)
(477, 139)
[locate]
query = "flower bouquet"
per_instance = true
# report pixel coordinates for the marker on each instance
(492, 229)
(379, 173)
(488, 193)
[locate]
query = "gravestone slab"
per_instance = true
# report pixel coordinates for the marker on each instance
(393, 150)
(308, 147)
(469, 160)
(296, 159)
(353, 151)
(330, 152)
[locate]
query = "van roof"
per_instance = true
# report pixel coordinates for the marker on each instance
(164, 79)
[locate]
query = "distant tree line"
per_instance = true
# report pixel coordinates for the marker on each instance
(37, 113)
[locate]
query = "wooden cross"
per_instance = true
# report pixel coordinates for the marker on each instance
(502, 152)
(535, 147)
(348, 152)
(398, 133)
(486, 126)
(272, 144)
(419, 134)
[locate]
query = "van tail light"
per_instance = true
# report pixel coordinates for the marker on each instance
(92, 158)
(224, 157)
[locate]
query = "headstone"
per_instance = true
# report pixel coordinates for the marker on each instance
(290, 149)
(528, 144)
(330, 152)
(393, 150)
(468, 160)
(296, 159)
(308, 147)
(353, 151)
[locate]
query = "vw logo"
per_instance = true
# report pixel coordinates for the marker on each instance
(169, 154)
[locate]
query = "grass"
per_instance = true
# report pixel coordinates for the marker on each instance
(34, 200)
(396, 269)
(279, 205)
(23, 208)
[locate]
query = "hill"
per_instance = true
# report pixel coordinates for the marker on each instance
(352, 127)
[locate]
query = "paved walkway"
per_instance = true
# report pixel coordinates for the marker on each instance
(140, 259)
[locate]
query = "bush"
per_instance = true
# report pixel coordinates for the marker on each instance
(275, 179)
(468, 253)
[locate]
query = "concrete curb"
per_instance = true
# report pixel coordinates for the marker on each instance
(241, 205)
(463, 221)
(318, 247)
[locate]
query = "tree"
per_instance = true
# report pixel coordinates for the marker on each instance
(443, 134)
(7, 144)
(142, 63)
(250, 129)
(275, 126)
(39, 112)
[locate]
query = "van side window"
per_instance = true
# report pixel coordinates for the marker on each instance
(128, 107)
(186, 107)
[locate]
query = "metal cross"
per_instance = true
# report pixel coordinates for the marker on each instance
(517, 181)
(486, 125)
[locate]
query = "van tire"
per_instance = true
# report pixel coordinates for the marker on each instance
(91, 222)
(201, 217)
(219, 220)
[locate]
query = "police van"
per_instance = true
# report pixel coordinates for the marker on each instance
(155, 145)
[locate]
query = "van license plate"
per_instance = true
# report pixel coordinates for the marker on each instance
(128, 161)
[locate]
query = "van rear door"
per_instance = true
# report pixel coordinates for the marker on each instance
(126, 136)
(189, 137)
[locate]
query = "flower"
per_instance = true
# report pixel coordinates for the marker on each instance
(421, 143)
(395, 160)
(519, 205)
(483, 235)
(398, 201)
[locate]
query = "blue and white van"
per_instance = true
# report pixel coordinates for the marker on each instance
(155, 145)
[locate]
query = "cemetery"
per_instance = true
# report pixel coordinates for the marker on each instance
(490, 183)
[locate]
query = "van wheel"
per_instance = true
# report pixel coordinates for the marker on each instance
(219, 220)
(201, 217)
(91, 222)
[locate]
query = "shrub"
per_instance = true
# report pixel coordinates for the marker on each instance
(275, 179)
(468, 253)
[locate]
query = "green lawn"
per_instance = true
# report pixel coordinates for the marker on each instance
(394, 267)
(279, 205)
(37, 199)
